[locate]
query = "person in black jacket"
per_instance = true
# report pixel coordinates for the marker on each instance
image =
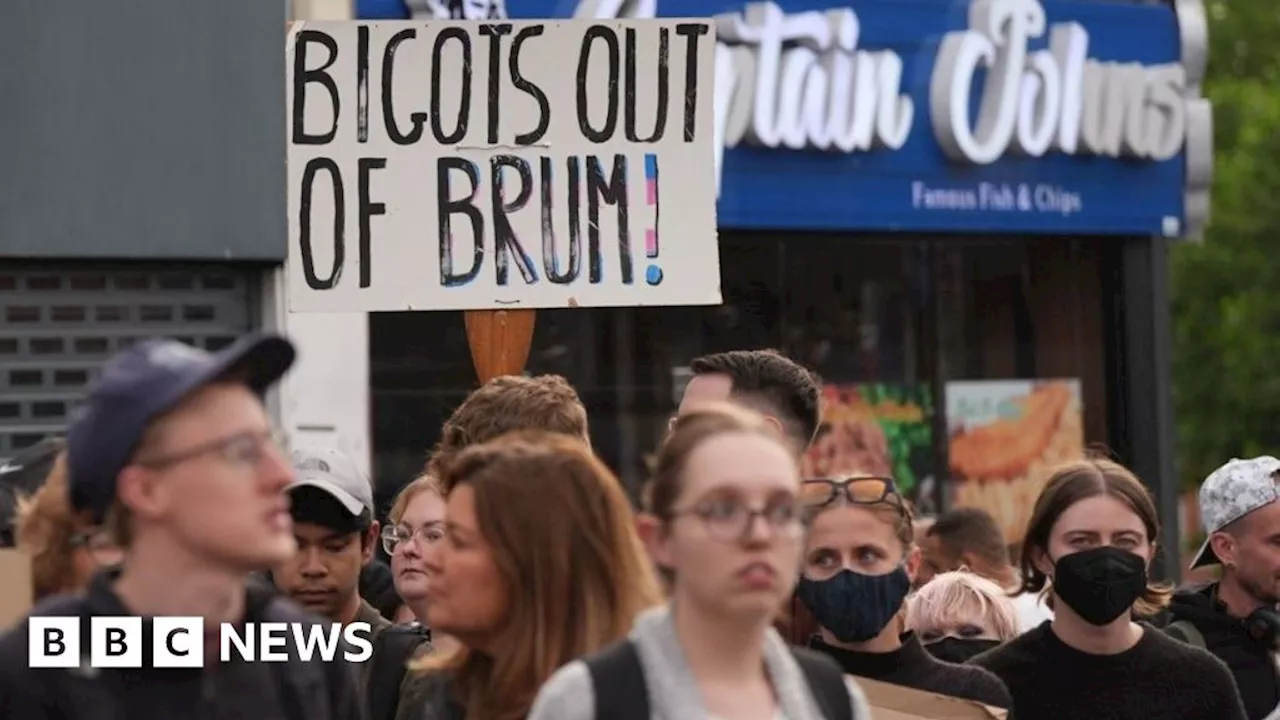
(1235, 618)
(173, 452)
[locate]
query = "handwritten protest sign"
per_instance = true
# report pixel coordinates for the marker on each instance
(472, 166)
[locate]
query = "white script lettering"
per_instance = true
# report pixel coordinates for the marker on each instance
(1054, 98)
(800, 81)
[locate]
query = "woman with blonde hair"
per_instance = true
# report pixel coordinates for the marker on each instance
(724, 524)
(539, 564)
(414, 529)
(65, 550)
(960, 614)
(415, 524)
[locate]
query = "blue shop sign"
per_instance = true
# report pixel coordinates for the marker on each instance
(924, 115)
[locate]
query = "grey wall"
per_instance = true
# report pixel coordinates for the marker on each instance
(142, 128)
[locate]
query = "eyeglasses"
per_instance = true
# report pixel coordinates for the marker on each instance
(98, 544)
(858, 490)
(394, 535)
(732, 520)
(247, 448)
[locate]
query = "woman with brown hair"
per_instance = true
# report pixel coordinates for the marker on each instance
(725, 527)
(859, 563)
(540, 564)
(65, 550)
(1091, 538)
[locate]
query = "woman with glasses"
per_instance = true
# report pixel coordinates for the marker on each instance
(65, 551)
(858, 565)
(415, 526)
(540, 564)
(724, 527)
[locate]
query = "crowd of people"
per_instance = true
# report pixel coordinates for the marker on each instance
(522, 583)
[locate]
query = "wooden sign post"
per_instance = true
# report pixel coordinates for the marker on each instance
(500, 341)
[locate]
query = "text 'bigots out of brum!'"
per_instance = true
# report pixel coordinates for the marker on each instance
(458, 166)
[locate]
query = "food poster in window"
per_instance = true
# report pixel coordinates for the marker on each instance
(1004, 438)
(877, 429)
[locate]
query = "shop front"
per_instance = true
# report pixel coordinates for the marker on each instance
(962, 231)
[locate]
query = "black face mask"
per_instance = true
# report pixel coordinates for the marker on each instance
(958, 650)
(1100, 584)
(853, 606)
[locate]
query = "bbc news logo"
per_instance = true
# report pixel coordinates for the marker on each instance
(178, 642)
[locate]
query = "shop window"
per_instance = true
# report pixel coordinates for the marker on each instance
(849, 307)
(1023, 351)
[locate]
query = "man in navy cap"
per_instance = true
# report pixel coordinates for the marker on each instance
(173, 452)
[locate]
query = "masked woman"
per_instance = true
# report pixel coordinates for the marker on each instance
(859, 563)
(1091, 537)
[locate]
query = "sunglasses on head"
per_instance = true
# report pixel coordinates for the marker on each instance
(857, 490)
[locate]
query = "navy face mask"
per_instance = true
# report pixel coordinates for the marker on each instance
(852, 606)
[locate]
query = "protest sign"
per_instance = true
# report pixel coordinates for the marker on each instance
(487, 166)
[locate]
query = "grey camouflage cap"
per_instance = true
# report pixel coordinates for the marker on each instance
(1231, 492)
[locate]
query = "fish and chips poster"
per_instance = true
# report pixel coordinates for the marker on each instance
(1003, 436)
(877, 429)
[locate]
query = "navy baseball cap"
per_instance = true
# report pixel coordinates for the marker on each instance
(143, 382)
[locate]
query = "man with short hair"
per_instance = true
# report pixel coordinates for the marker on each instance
(331, 502)
(509, 403)
(1235, 618)
(970, 538)
(786, 393)
(174, 449)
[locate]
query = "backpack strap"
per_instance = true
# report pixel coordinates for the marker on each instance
(392, 650)
(617, 681)
(826, 683)
(1187, 632)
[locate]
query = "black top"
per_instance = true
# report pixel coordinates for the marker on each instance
(912, 666)
(1157, 679)
(1248, 660)
(292, 690)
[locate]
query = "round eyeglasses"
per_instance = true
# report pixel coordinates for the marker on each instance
(394, 535)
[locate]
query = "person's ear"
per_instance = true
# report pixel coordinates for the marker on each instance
(1225, 547)
(913, 563)
(369, 543)
(143, 492)
(1040, 561)
(972, 562)
(653, 533)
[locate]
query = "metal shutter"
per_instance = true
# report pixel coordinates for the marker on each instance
(58, 323)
